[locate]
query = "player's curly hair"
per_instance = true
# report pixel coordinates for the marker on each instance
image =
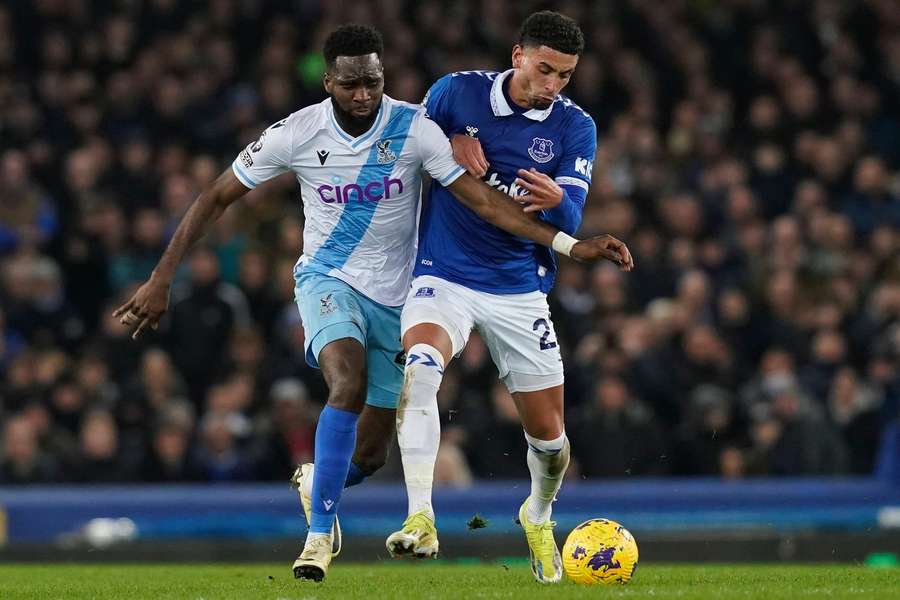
(353, 40)
(551, 29)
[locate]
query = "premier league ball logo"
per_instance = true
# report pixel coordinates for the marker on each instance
(541, 150)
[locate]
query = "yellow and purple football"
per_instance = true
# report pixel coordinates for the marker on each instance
(600, 551)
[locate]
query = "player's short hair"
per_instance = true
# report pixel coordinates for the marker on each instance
(551, 29)
(353, 40)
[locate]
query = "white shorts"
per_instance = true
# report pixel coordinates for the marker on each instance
(516, 328)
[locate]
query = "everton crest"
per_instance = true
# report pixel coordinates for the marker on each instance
(541, 150)
(385, 154)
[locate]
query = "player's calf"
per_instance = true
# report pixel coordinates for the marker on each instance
(374, 434)
(419, 425)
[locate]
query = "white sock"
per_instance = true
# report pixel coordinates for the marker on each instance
(418, 423)
(547, 462)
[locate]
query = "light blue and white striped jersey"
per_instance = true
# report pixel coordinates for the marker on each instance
(360, 195)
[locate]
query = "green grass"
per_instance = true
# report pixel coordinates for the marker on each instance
(380, 581)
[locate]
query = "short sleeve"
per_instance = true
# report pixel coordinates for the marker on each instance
(435, 152)
(577, 161)
(267, 157)
(437, 102)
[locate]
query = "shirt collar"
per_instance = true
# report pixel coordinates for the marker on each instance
(502, 108)
(357, 142)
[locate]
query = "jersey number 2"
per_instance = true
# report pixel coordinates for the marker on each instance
(546, 343)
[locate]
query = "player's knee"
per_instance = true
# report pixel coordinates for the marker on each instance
(347, 392)
(549, 429)
(424, 371)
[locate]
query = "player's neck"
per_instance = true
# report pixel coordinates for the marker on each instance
(516, 90)
(354, 126)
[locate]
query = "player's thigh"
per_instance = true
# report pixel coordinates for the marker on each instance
(434, 301)
(335, 329)
(329, 310)
(519, 334)
(385, 356)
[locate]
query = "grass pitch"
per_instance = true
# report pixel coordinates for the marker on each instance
(380, 581)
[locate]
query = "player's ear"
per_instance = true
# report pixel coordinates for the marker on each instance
(518, 54)
(327, 82)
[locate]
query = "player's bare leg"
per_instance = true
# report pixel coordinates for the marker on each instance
(343, 364)
(548, 457)
(428, 351)
(374, 434)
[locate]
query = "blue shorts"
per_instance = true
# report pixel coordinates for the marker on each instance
(331, 310)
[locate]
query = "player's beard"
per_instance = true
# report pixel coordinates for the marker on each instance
(349, 119)
(541, 104)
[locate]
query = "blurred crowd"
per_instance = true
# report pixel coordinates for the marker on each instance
(749, 154)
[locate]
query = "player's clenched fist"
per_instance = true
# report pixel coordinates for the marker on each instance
(603, 247)
(146, 307)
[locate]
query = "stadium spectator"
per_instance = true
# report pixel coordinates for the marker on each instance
(287, 430)
(23, 461)
(27, 215)
(203, 316)
(218, 456)
(99, 458)
(616, 436)
(796, 438)
(710, 436)
(169, 458)
(854, 409)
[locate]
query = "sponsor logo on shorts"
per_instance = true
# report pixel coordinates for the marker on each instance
(326, 305)
(426, 262)
(425, 292)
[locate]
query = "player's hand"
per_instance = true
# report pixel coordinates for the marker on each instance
(146, 307)
(543, 192)
(603, 247)
(467, 152)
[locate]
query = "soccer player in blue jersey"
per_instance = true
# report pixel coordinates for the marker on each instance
(518, 133)
(358, 156)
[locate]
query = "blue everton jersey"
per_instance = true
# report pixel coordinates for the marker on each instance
(457, 245)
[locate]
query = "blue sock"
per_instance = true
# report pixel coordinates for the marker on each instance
(335, 439)
(354, 476)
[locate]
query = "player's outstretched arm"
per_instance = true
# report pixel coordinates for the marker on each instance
(500, 210)
(151, 300)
